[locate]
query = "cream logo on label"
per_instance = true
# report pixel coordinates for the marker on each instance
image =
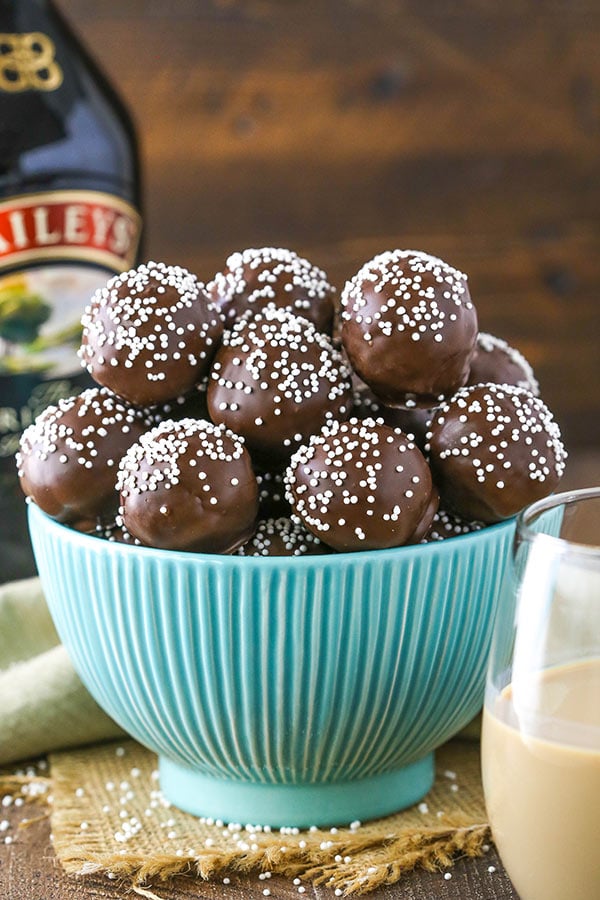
(27, 62)
(87, 226)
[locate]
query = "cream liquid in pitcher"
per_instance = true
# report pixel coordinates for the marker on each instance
(542, 783)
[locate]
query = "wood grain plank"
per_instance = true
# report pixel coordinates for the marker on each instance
(277, 89)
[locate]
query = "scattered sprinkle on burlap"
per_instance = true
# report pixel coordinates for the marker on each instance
(109, 816)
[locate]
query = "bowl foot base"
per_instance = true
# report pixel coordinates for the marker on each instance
(301, 805)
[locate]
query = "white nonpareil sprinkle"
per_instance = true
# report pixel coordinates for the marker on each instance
(78, 428)
(286, 369)
(157, 458)
(522, 427)
(350, 464)
(257, 273)
(489, 343)
(396, 277)
(134, 322)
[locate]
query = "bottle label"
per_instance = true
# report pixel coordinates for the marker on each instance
(27, 62)
(56, 249)
(89, 226)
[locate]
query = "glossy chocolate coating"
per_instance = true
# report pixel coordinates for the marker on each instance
(361, 485)
(276, 380)
(497, 362)
(494, 449)
(409, 327)
(273, 275)
(69, 457)
(189, 485)
(150, 334)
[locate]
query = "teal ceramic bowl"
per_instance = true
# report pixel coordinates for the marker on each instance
(280, 690)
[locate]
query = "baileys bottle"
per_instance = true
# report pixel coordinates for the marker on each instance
(69, 218)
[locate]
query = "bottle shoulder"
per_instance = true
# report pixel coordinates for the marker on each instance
(59, 116)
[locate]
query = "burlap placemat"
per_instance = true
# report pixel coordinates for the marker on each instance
(109, 816)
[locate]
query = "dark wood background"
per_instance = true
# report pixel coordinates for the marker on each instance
(341, 128)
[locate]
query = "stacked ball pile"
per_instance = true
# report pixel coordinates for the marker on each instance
(228, 419)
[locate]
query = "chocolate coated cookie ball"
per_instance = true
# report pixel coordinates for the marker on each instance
(494, 449)
(276, 380)
(150, 334)
(497, 362)
(69, 457)
(189, 485)
(273, 275)
(361, 485)
(409, 327)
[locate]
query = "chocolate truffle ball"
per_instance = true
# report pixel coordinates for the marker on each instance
(276, 380)
(69, 456)
(189, 485)
(361, 485)
(273, 275)
(282, 537)
(150, 334)
(497, 362)
(493, 450)
(409, 327)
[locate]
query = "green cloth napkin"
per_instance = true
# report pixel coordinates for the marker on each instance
(43, 704)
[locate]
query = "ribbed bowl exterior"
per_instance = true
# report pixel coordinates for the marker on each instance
(279, 670)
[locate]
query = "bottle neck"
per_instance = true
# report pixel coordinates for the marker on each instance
(23, 4)
(17, 15)
(17, 6)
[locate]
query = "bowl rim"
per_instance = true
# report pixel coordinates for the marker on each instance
(38, 519)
